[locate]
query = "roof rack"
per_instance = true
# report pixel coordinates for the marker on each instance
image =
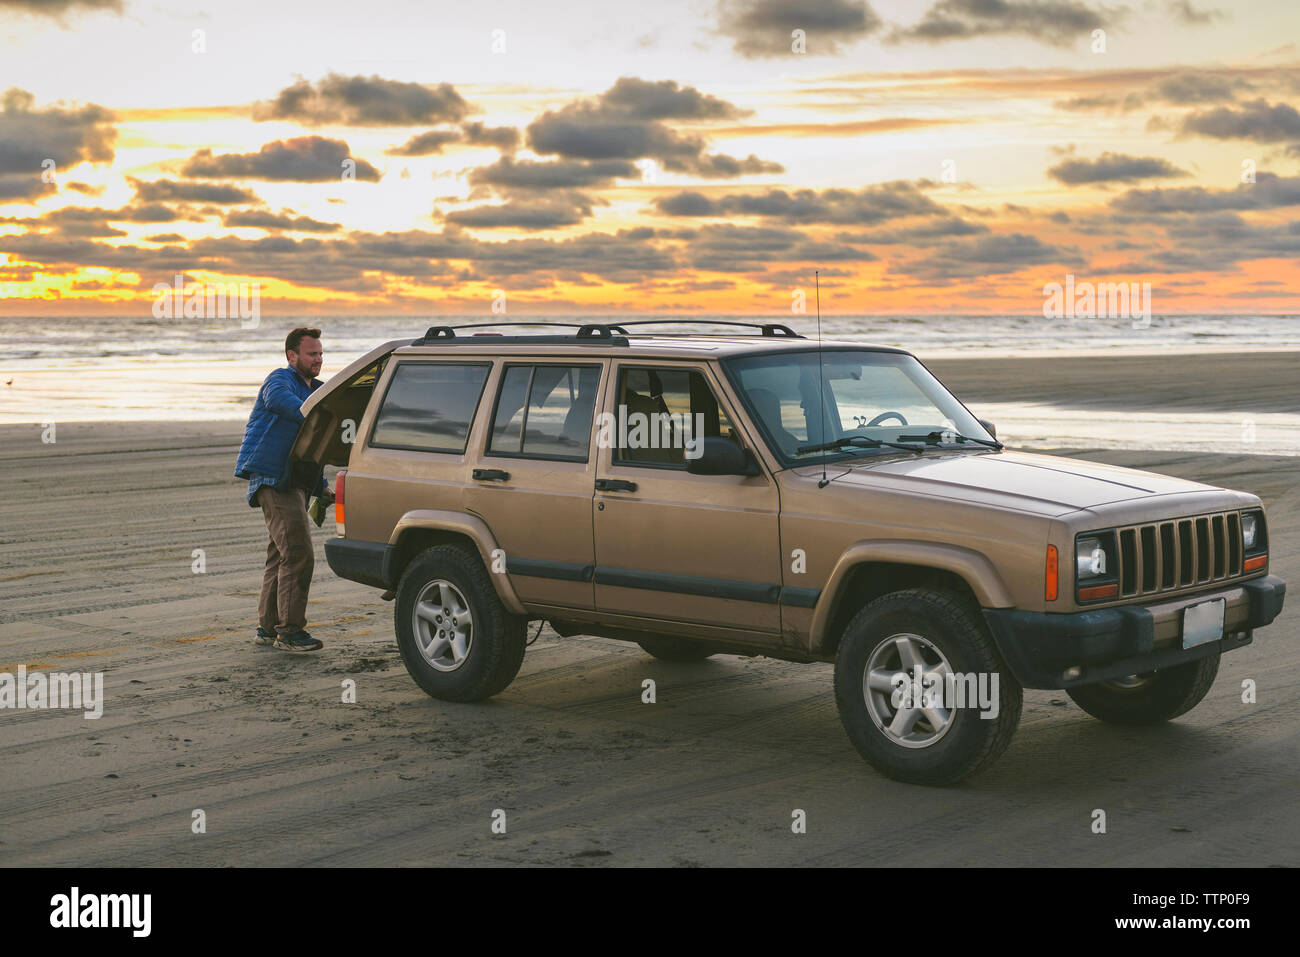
(588, 332)
(609, 333)
(767, 328)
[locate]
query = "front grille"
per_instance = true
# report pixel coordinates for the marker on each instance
(1182, 553)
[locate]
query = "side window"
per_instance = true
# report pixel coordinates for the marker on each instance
(659, 411)
(545, 411)
(429, 406)
(779, 396)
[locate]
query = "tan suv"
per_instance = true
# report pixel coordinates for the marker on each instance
(764, 494)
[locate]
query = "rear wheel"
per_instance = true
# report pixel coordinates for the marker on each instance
(669, 648)
(1149, 698)
(458, 641)
(956, 720)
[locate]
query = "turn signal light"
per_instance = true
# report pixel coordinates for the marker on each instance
(1099, 591)
(1052, 576)
(1254, 564)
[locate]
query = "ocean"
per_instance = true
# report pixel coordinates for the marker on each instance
(130, 368)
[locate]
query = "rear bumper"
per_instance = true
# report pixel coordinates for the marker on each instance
(1113, 642)
(370, 563)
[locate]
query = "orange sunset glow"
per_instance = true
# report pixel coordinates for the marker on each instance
(927, 157)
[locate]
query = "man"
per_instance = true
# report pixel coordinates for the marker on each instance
(264, 461)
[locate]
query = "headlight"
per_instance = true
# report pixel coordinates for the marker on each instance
(1089, 558)
(1249, 528)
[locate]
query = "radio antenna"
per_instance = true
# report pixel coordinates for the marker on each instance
(821, 381)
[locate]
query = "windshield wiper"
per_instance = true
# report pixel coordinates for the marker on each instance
(934, 438)
(862, 441)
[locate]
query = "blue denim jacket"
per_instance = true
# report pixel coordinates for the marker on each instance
(272, 427)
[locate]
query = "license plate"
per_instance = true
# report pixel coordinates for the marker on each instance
(1203, 622)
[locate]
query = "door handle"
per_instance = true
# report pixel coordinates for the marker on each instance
(491, 475)
(614, 485)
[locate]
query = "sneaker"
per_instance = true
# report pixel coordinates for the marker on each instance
(264, 637)
(298, 641)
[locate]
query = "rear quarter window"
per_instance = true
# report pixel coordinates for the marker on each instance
(429, 406)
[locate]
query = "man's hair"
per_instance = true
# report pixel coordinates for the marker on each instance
(294, 339)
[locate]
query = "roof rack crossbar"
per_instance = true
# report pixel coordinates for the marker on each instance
(767, 328)
(585, 330)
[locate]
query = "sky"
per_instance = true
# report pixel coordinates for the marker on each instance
(925, 157)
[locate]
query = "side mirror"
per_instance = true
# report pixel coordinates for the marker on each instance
(719, 457)
(989, 427)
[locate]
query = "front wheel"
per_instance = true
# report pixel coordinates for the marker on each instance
(1148, 698)
(921, 689)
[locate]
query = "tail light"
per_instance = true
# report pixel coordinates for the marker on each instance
(1052, 574)
(339, 481)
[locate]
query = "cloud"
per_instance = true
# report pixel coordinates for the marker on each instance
(426, 144)
(984, 256)
(1113, 168)
(162, 191)
(640, 99)
(93, 221)
(871, 204)
(1184, 12)
(364, 101)
(510, 174)
(504, 138)
(764, 28)
(305, 159)
(57, 8)
(1186, 89)
(264, 219)
(626, 123)
(724, 247)
(1217, 242)
(30, 138)
(925, 234)
(1178, 89)
(1057, 22)
(550, 213)
(146, 213)
(1257, 120)
(1269, 191)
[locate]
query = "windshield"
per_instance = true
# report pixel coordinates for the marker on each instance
(878, 395)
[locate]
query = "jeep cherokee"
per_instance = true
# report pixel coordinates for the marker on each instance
(760, 493)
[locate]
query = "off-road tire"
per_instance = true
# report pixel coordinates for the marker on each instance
(954, 627)
(497, 647)
(672, 648)
(1165, 695)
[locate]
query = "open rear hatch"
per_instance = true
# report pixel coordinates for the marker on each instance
(333, 415)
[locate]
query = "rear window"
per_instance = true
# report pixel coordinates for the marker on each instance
(429, 406)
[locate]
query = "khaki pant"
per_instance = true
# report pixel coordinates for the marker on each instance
(290, 559)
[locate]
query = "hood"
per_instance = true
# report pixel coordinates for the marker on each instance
(1045, 484)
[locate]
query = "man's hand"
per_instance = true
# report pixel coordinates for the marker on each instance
(328, 495)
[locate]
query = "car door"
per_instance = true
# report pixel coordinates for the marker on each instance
(671, 545)
(533, 478)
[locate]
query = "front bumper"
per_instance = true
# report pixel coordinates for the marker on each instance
(1061, 651)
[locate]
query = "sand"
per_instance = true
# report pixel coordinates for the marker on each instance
(97, 540)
